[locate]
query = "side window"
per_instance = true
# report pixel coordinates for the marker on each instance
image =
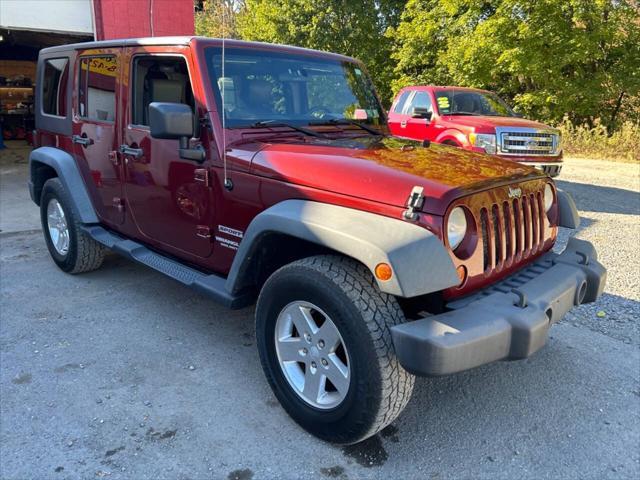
(399, 107)
(421, 100)
(159, 79)
(54, 87)
(97, 88)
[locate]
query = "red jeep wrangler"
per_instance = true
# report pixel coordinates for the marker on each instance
(475, 120)
(264, 172)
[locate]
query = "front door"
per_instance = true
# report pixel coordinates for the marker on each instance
(419, 128)
(168, 198)
(95, 131)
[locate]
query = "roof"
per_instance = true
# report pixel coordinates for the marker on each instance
(186, 40)
(443, 87)
(122, 42)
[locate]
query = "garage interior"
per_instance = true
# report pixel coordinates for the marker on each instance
(18, 58)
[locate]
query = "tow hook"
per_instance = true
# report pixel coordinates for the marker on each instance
(414, 202)
(522, 298)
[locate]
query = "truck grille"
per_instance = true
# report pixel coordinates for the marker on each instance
(527, 141)
(512, 230)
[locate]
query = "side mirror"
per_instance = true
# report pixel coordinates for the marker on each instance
(170, 120)
(174, 121)
(360, 114)
(421, 112)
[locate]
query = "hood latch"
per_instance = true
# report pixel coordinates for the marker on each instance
(414, 203)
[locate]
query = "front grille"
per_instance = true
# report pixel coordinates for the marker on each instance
(512, 230)
(527, 141)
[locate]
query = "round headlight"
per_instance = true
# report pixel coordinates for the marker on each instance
(548, 197)
(456, 227)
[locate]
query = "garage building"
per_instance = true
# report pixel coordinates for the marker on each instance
(26, 26)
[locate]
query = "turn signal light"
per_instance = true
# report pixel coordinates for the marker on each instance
(383, 272)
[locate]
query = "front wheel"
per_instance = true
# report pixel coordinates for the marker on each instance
(322, 327)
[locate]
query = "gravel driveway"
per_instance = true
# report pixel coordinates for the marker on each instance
(122, 373)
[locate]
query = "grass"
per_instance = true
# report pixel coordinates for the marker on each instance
(581, 141)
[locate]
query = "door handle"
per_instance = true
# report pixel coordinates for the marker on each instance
(82, 140)
(133, 152)
(403, 123)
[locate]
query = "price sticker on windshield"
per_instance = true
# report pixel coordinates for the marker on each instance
(443, 103)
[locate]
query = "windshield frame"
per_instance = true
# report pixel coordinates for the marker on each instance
(211, 51)
(455, 91)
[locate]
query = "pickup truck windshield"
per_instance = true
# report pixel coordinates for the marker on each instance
(465, 102)
(264, 86)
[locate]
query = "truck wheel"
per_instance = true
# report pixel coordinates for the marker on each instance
(71, 248)
(322, 328)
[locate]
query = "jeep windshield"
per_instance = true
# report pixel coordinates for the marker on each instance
(465, 102)
(262, 88)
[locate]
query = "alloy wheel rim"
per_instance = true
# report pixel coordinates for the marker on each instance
(58, 228)
(312, 355)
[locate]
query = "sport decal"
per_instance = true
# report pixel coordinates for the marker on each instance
(230, 231)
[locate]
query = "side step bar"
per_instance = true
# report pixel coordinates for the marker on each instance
(209, 284)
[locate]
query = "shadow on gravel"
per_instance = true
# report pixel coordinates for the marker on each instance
(512, 396)
(594, 198)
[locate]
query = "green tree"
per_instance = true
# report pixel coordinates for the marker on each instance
(551, 58)
(351, 28)
(217, 18)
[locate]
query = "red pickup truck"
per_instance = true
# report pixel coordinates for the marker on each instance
(475, 120)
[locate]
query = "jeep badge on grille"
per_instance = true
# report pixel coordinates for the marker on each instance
(515, 192)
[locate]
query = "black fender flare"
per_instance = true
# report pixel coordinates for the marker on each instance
(69, 174)
(418, 258)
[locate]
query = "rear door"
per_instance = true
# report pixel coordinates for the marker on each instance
(169, 199)
(95, 130)
(397, 118)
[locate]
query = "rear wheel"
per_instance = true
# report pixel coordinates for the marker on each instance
(322, 327)
(70, 247)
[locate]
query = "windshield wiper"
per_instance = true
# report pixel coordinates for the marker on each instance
(346, 121)
(276, 123)
(464, 113)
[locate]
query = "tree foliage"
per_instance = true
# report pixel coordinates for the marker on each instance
(217, 18)
(552, 58)
(348, 27)
(578, 59)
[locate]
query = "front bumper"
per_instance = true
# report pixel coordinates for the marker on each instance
(508, 320)
(550, 168)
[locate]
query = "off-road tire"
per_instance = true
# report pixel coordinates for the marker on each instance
(346, 290)
(84, 253)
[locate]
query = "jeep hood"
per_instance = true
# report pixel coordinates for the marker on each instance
(385, 169)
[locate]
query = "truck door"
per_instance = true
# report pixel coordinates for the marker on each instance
(420, 128)
(168, 198)
(397, 118)
(94, 130)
